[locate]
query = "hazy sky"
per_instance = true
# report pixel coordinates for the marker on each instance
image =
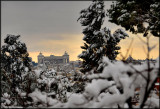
(52, 28)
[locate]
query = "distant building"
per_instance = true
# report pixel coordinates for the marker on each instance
(130, 59)
(134, 61)
(76, 63)
(53, 60)
(34, 63)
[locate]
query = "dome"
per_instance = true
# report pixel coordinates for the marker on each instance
(130, 58)
(65, 53)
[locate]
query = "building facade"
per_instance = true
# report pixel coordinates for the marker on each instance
(53, 60)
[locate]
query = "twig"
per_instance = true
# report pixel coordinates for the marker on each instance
(129, 102)
(124, 57)
(138, 72)
(145, 97)
(144, 50)
(141, 39)
(128, 48)
(148, 79)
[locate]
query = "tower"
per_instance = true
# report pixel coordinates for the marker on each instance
(65, 57)
(40, 58)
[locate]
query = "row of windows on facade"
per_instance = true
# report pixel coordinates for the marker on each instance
(53, 59)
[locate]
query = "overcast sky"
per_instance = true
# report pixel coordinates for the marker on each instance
(52, 28)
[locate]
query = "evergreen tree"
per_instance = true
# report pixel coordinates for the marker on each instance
(51, 82)
(92, 18)
(14, 62)
(99, 42)
(137, 16)
(108, 46)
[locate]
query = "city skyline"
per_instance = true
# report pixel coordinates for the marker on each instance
(51, 27)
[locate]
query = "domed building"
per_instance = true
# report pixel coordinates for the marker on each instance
(53, 60)
(130, 59)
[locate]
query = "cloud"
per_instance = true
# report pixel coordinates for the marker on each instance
(70, 43)
(52, 27)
